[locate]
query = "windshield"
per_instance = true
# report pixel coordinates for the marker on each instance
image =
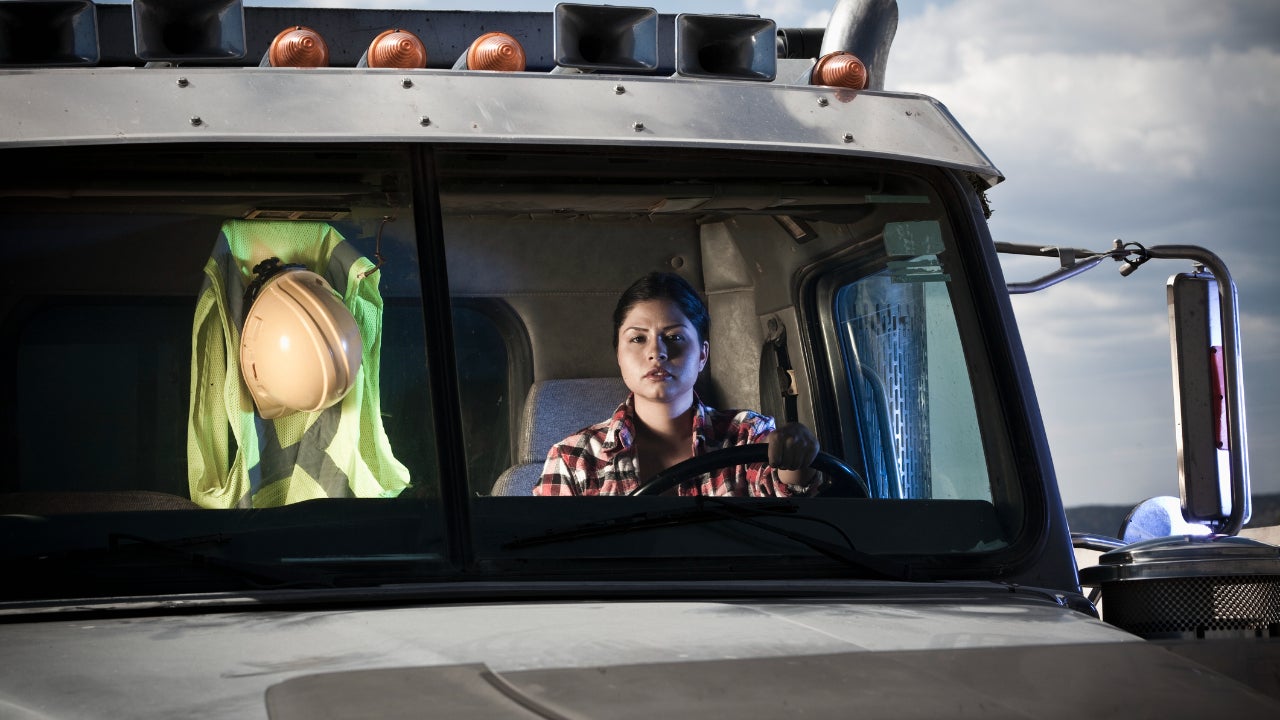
(134, 412)
(837, 298)
(378, 403)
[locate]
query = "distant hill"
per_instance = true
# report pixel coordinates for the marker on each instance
(1106, 519)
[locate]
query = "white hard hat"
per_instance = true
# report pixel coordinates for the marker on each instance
(300, 349)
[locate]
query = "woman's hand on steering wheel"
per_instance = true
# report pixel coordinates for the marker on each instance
(792, 449)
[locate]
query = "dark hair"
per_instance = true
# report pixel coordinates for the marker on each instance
(663, 286)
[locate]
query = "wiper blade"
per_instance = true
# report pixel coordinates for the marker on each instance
(636, 521)
(722, 510)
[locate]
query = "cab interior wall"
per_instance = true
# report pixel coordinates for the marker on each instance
(566, 231)
(562, 275)
(754, 286)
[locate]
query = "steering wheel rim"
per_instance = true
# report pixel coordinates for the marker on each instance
(845, 479)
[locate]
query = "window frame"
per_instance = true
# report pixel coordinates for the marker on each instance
(1009, 390)
(998, 372)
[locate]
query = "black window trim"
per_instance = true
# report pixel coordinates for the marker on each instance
(1010, 377)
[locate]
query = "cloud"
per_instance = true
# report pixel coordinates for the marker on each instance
(1128, 93)
(1114, 113)
(1260, 337)
(1015, 27)
(1147, 120)
(817, 19)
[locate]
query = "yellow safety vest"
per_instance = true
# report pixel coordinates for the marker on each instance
(341, 451)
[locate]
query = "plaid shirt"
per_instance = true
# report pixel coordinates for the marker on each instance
(601, 459)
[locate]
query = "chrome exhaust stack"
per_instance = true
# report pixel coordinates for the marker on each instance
(866, 29)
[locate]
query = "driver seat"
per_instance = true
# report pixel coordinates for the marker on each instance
(554, 410)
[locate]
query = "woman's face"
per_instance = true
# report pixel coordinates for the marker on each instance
(659, 352)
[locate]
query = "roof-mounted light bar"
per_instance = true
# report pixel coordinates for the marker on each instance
(187, 30)
(35, 33)
(587, 38)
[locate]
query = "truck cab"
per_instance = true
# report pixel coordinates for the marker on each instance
(174, 547)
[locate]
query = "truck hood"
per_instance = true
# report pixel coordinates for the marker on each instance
(893, 657)
(1055, 681)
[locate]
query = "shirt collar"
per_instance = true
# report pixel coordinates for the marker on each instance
(702, 425)
(621, 433)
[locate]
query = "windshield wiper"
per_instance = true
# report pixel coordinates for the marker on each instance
(721, 509)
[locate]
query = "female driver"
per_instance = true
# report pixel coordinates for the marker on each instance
(659, 331)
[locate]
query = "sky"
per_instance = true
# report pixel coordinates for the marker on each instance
(1154, 121)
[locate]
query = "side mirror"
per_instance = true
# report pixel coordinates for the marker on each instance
(1208, 407)
(1204, 330)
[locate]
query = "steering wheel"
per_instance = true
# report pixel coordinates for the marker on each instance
(845, 481)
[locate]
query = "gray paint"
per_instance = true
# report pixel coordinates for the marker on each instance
(595, 256)
(120, 105)
(220, 665)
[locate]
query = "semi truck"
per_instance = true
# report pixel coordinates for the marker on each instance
(299, 299)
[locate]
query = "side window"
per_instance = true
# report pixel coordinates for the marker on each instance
(916, 417)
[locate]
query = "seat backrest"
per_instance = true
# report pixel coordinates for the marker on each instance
(554, 410)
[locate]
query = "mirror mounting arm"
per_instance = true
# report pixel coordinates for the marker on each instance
(1075, 261)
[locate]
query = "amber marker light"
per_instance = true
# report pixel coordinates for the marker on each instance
(840, 69)
(496, 51)
(396, 48)
(298, 46)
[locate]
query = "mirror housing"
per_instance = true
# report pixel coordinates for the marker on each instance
(1209, 403)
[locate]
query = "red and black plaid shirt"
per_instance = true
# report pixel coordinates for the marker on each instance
(601, 459)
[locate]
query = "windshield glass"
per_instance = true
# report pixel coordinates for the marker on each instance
(836, 299)
(158, 412)
(277, 367)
